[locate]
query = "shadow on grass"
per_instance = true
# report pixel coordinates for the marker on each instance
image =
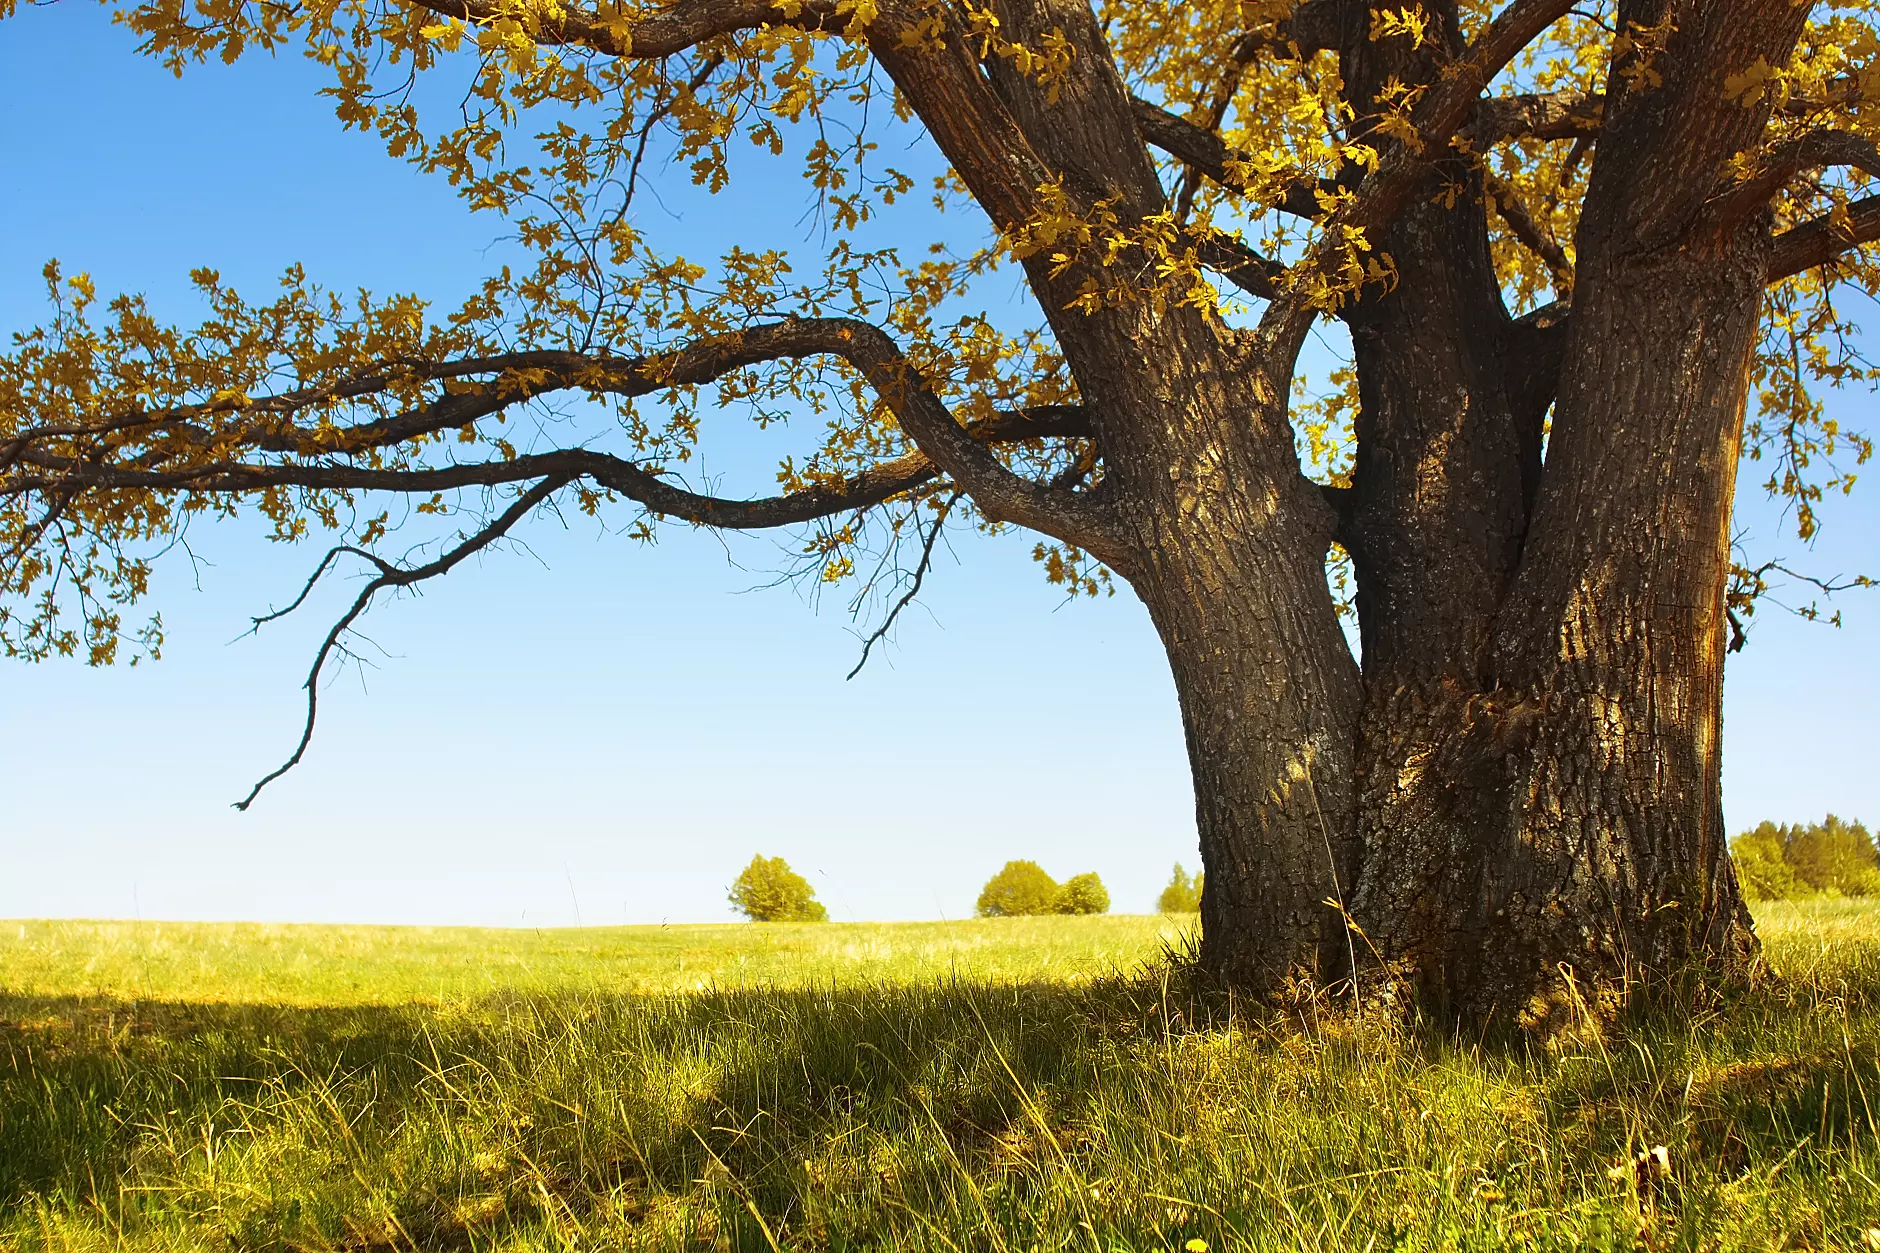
(956, 1114)
(513, 1107)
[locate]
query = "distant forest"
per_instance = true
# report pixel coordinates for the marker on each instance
(1827, 858)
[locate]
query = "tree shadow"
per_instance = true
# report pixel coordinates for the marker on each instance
(729, 1118)
(521, 1108)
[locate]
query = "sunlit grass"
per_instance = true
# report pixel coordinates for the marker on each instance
(335, 965)
(938, 1086)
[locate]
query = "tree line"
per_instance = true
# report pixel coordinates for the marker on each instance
(768, 890)
(1774, 861)
(1777, 862)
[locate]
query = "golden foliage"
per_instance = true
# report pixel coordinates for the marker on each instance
(117, 428)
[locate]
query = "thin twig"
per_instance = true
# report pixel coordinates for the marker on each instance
(389, 576)
(920, 573)
(333, 554)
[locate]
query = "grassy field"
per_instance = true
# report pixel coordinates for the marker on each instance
(1003, 1085)
(314, 965)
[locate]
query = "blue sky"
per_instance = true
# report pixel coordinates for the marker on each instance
(593, 730)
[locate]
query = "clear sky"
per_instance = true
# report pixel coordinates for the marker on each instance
(593, 730)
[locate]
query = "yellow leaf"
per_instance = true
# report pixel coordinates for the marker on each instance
(1748, 87)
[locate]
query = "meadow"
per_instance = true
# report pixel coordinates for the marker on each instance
(1006, 1084)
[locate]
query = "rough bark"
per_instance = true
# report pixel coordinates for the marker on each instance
(1567, 816)
(1523, 788)
(1615, 863)
(1233, 546)
(1439, 515)
(1445, 472)
(1227, 539)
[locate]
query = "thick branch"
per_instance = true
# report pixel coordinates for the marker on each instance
(943, 445)
(870, 487)
(998, 493)
(1821, 240)
(1536, 115)
(1530, 233)
(523, 375)
(1343, 502)
(708, 360)
(1813, 151)
(1205, 151)
(1240, 265)
(673, 30)
(1533, 351)
(948, 89)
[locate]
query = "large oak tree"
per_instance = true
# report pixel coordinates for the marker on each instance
(1568, 244)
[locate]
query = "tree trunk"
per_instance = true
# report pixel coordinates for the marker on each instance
(1444, 478)
(1615, 640)
(1527, 778)
(1234, 578)
(1568, 814)
(1228, 540)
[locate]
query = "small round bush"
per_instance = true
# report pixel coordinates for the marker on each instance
(769, 891)
(1021, 888)
(1083, 894)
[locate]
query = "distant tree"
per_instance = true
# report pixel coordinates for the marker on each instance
(1762, 869)
(1021, 888)
(1182, 895)
(769, 891)
(1834, 856)
(1083, 894)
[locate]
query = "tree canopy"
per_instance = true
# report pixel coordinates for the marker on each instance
(310, 405)
(1021, 888)
(1182, 895)
(767, 890)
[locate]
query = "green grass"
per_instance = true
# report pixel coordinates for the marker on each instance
(321, 965)
(1010, 1085)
